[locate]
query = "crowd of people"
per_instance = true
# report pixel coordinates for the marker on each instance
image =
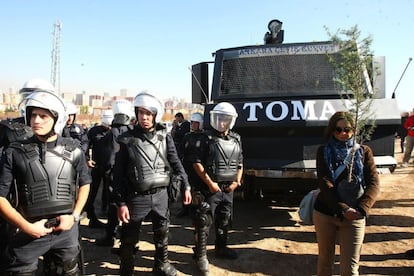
(52, 168)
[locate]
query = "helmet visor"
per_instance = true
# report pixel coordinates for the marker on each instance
(221, 122)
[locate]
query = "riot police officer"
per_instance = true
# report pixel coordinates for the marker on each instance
(99, 159)
(15, 129)
(142, 172)
(44, 219)
(122, 110)
(73, 129)
(190, 142)
(218, 161)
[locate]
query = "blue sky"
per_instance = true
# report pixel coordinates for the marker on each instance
(137, 45)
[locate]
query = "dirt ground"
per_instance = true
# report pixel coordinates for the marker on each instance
(270, 240)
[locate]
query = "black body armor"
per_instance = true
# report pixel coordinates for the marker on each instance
(46, 179)
(222, 162)
(147, 169)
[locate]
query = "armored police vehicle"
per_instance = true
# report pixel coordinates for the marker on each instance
(284, 95)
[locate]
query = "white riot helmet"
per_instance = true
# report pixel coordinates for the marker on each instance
(122, 112)
(29, 87)
(150, 103)
(198, 117)
(223, 116)
(49, 101)
(122, 107)
(106, 117)
(71, 108)
(35, 84)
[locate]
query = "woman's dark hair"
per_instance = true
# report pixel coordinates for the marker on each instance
(338, 116)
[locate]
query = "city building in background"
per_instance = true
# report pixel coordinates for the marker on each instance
(90, 106)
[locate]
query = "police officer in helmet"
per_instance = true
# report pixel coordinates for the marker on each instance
(44, 220)
(142, 172)
(15, 129)
(99, 155)
(190, 142)
(218, 161)
(122, 110)
(73, 129)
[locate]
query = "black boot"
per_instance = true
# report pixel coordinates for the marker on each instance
(127, 257)
(162, 266)
(109, 238)
(221, 249)
(105, 241)
(200, 250)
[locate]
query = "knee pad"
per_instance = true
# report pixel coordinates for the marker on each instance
(202, 220)
(162, 230)
(71, 267)
(223, 220)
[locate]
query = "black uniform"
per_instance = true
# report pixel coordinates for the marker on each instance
(191, 142)
(47, 176)
(100, 144)
(11, 130)
(116, 130)
(179, 131)
(140, 179)
(221, 158)
(77, 132)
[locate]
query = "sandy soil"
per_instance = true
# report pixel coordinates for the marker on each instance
(270, 240)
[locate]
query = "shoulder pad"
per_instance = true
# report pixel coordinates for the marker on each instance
(161, 133)
(234, 135)
(125, 137)
(70, 143)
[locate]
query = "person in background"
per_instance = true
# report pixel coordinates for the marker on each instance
(46, 170)
(142, 170)
(180, 128)
(122, 110)
(99, 160)
(402, 131)
(73, 129)
(213, 192)
(343, 204)
(85, 128)
(189, 143)
(409, 140)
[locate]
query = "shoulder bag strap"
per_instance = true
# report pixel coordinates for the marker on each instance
(341, 168)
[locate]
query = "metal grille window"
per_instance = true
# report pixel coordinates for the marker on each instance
(266, 72)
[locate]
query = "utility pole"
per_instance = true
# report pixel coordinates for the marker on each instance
(55, 71)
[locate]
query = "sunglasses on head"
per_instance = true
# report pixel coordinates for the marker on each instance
(345, 129)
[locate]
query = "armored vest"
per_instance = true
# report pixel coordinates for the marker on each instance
(223, 158)
(16, 130)
(146, 168)
(46, 179)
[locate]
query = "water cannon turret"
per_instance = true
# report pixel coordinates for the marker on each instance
(275, 33)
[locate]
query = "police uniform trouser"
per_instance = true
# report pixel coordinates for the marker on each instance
(98, 175)
(221, 204)
(156, 205)
(23, 251)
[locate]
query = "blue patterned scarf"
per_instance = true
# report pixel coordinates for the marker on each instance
(335, 154)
